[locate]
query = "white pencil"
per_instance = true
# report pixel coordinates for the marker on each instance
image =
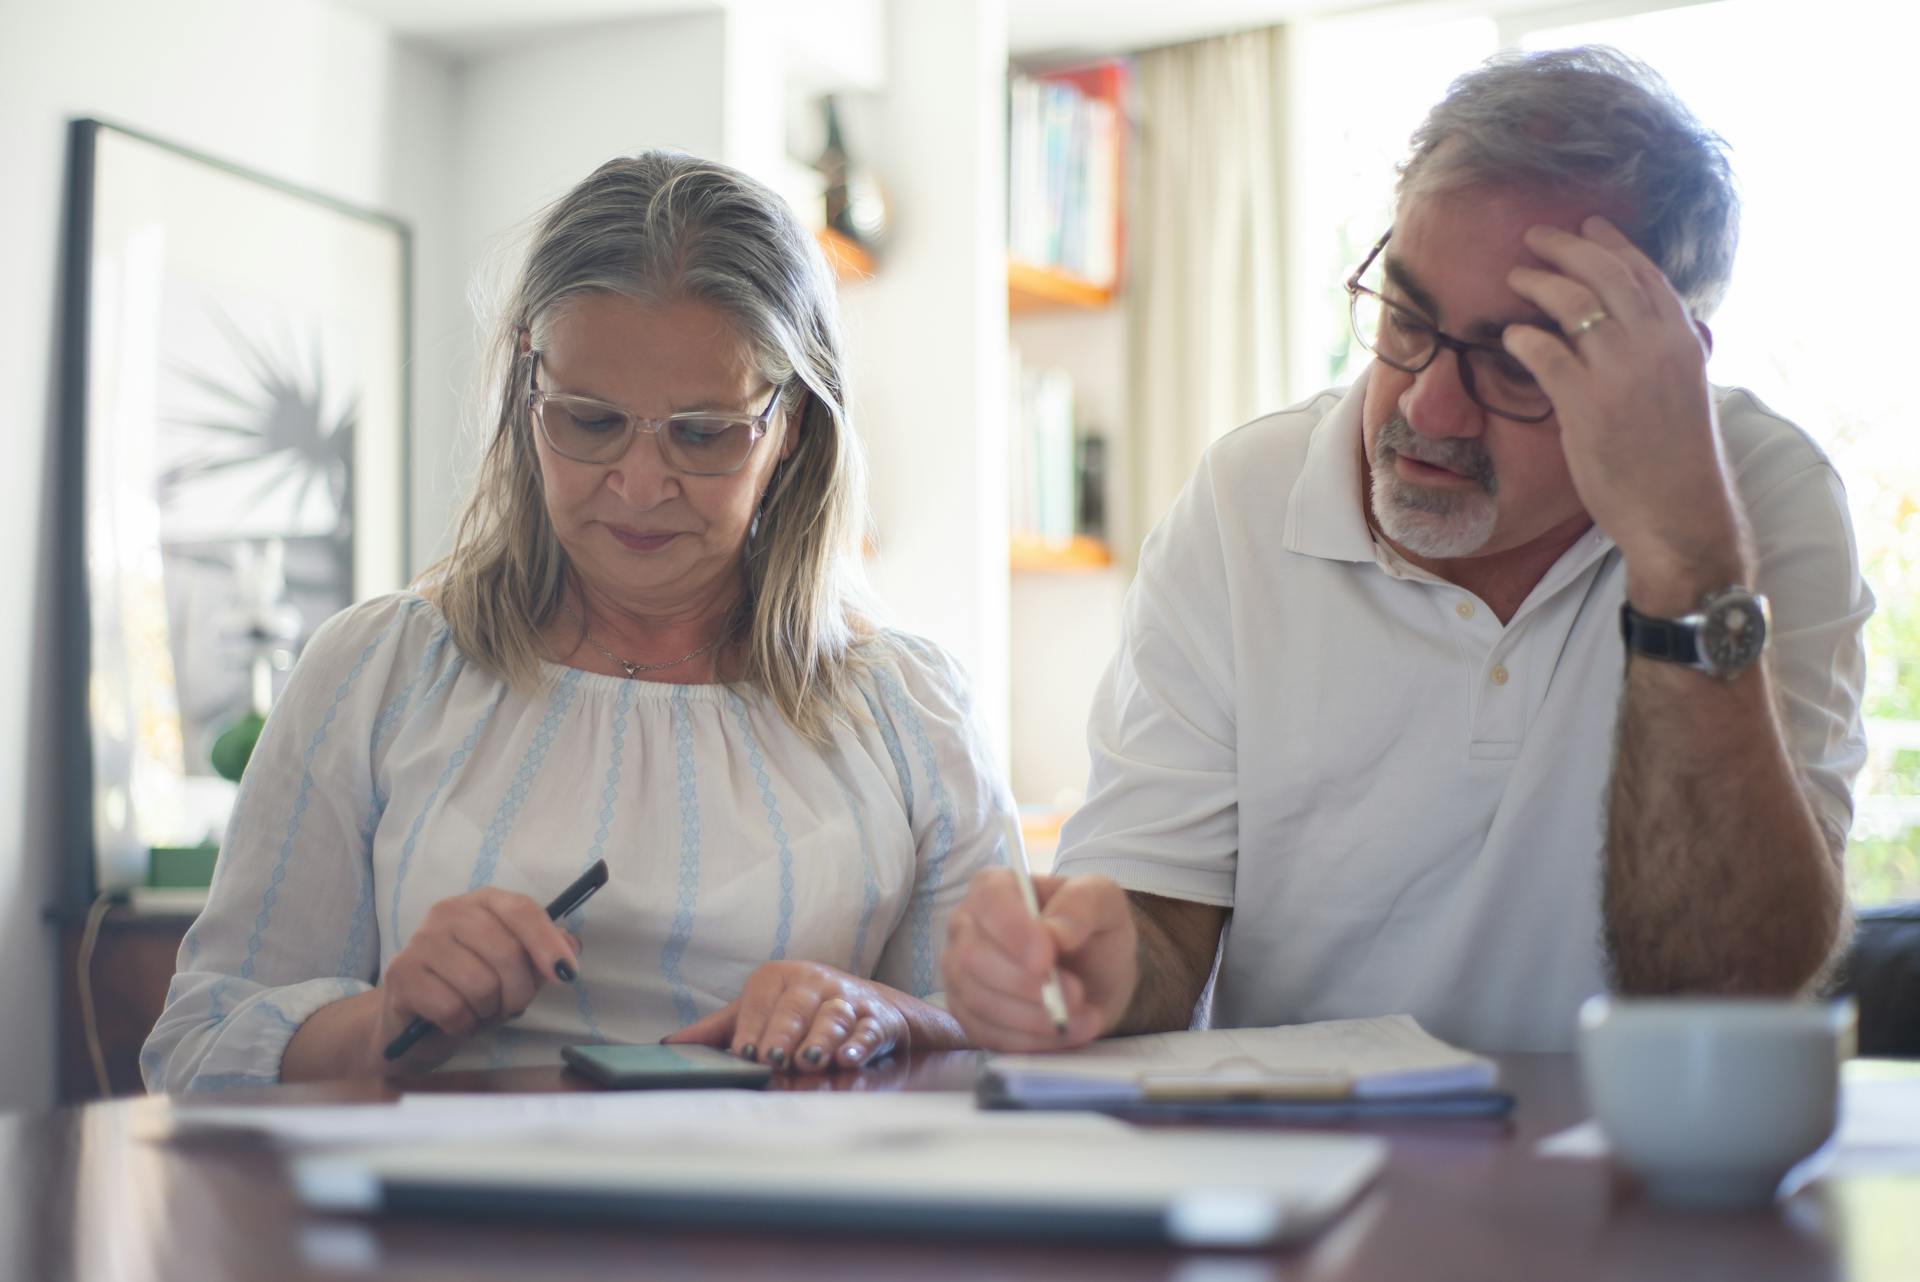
(1050, 995)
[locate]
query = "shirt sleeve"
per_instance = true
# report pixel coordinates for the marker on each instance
(957, 804)
(1162, 808)
(289, 926)
(1809, 571)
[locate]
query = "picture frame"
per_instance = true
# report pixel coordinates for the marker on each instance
(233, 470)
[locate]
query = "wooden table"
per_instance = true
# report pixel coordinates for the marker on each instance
(1461, 1199)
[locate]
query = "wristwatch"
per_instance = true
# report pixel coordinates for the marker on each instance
(1722, 638)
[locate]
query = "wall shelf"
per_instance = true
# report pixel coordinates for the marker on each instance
(848, 260)
(1032, 288)
(1030, 554)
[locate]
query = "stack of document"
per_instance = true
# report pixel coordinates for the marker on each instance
(1386, 1065)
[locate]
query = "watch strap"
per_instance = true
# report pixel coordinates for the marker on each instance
(1669, 640)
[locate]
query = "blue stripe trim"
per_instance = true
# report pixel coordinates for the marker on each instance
(391, 714)
(892, 741)
(609, 798)
(496, 836)
(929, 881)
(300, 804)
(783, 932)
(445, 679)
(688, 883)
(870, 890)
(351, 964)
(457, 759)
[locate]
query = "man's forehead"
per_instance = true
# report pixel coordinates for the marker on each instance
(1450, 253)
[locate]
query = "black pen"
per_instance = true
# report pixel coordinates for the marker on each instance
(565, 902)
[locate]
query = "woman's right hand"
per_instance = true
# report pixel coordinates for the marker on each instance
(476, 960)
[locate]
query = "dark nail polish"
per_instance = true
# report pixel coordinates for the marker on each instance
(812, 1054)
(746, 1052)
(563, 970)
(776, 1057)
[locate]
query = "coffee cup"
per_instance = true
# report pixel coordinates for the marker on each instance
(1711, 1101)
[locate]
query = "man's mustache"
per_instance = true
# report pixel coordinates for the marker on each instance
(1459, 454)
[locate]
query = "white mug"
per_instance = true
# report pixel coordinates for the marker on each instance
(1710, 1101)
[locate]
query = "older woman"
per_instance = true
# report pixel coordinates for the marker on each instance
(647, 647)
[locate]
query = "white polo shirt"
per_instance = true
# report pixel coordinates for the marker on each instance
(1401, 798)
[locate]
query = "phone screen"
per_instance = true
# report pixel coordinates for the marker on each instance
(639, 1067)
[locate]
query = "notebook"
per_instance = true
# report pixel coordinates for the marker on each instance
(1387, 1064)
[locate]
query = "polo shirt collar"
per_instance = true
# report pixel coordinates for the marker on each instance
(1325, 517)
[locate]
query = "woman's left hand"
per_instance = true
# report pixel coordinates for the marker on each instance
(806, 1018)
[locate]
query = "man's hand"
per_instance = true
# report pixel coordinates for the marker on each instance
(1627, 376)
(998, 955)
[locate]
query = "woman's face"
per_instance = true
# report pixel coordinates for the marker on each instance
(652, 538)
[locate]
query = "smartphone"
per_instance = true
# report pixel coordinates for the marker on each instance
(664, 1067)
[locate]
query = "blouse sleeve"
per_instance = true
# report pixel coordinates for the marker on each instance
(289, 925)
(957, 804)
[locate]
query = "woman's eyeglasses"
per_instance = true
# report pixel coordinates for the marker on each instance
(698, 442)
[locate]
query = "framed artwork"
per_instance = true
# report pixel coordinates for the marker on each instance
(233, 471)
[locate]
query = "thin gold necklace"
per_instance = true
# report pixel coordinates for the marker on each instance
(635, 669)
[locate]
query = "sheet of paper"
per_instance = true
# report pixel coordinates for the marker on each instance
(1385, 1056)
(767, 1117)
(1879, 1130)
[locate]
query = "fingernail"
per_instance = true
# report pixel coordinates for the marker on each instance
(746, 1052)
(812, 1054)
(564, 970)
(776, 1057)
(853, 1054)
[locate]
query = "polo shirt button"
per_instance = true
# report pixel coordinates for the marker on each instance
(1499, 675)
(1464, 609)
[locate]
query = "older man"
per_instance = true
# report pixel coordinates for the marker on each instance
(1457, 694)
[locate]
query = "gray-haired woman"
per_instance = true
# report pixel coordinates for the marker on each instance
(646, 646)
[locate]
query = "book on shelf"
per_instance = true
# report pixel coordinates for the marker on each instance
(1043, 494)
(1063, 187)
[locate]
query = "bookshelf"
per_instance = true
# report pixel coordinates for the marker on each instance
(849, 261)
(1080, 554)
(1032, 288)
(1067, 325)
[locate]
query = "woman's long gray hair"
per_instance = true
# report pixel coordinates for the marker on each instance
(1591, 120)
(657, 227)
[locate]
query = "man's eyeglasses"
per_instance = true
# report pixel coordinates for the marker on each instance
(696, 442)
(1397, 335)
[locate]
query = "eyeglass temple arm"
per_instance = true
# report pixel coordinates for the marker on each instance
(1353, 281)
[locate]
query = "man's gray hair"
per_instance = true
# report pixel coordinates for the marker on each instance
(1591, 121)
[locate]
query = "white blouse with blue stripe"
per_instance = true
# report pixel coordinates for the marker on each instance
(393, 774)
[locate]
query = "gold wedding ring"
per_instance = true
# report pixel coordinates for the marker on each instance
(1586, 323)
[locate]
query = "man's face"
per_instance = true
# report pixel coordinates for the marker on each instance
(1447, 479)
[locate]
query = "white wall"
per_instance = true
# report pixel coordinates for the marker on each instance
(294, 89)
(929, 337)
(527, 122)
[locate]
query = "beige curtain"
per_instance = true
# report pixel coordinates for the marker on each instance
(1205, 351)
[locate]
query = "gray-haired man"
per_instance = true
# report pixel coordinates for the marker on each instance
(1369, 701)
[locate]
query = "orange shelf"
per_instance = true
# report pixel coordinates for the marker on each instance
(1032, 288)
(1077, 555)
(848, 260)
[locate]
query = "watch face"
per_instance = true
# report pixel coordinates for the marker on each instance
(1735, 631)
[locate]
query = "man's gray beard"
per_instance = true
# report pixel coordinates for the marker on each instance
(1442, 524)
